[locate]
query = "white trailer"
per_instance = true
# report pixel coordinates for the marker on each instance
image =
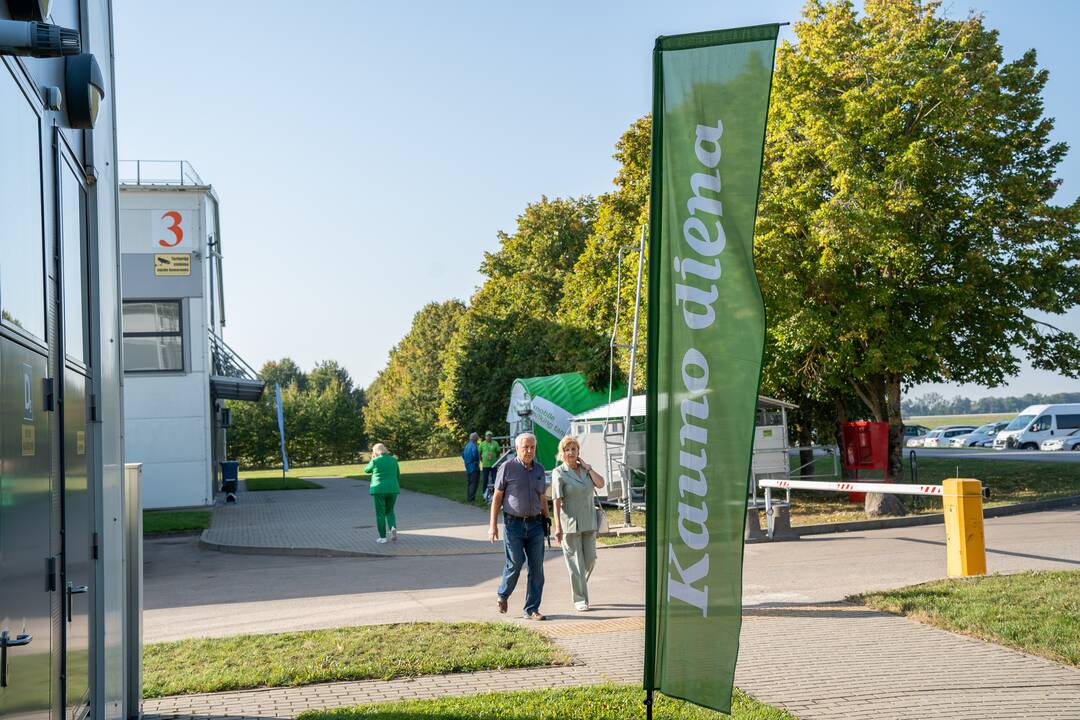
(600, 431)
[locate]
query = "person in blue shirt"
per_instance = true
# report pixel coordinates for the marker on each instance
(471, 456)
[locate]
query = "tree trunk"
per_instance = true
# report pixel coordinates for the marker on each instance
(882, 396)
(841, 420)
(806, 454)
(896, 429)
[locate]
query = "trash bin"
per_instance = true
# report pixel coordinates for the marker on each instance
(230, 479)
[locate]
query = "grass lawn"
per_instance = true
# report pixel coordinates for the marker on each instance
(1037, 612)
(444, 477)
(604, 702)
(272, 482)
(1010, 482)
(352, 653)
(620, 539)
(160, 522)
(933, 421)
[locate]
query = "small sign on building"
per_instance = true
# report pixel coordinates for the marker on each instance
(172, 264)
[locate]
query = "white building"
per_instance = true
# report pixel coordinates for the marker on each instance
(177, 369)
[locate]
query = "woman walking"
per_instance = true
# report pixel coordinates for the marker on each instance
(383, 469)
(573, 485)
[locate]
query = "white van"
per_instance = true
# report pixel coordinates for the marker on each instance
(1037, 423)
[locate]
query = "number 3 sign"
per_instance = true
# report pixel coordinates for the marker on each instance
(172, 231)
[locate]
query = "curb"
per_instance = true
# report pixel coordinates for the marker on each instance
(934, 519)
(288, 551)
(325, 552)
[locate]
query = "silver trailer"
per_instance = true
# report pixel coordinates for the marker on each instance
(63, 578)
(601, 432)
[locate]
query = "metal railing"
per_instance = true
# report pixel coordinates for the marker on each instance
(226, 362)
(159, 172)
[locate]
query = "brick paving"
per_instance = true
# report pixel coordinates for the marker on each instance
(339, 520)
(821, 662)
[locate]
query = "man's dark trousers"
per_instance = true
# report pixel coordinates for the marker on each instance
(489, 481)
(474, 482)
(523, 541)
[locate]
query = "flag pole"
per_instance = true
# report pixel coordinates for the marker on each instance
(648, 704)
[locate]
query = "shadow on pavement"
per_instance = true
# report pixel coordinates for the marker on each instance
(1009, 553)
(828, 611)
(178, 573)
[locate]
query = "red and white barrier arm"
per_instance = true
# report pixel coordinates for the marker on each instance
(888, 488)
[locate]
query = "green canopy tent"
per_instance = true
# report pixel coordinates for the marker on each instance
(545, 405)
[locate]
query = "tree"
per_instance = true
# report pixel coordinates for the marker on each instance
(512, 328)
(403, 400)
(284, 372)
(323, 415)
(590, 292)
(906, 225)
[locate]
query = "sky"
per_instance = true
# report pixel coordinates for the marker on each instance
(366, 154)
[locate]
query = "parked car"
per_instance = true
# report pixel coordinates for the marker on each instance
(944, 435)
(914, 435)
(1037, 423)
(983, 436)
(1065, 442)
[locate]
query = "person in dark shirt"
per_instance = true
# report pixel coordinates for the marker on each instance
(520, 495)
(471, 456)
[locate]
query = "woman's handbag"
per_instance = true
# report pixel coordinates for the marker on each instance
(601, 519)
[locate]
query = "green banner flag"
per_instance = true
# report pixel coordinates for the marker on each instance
(706, 338)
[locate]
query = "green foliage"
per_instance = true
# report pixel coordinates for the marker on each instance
(591, 291)
(934, 404)
(512, 328)
(403, 400)
(323, 418)
(350, 653)
(906, 224)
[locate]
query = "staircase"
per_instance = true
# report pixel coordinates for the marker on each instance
(230, 377)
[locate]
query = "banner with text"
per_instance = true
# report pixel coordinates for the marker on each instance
(706, 337)
(281, 429)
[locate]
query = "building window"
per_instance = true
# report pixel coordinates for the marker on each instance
(22, 267)
(73, 201)
(153, 336)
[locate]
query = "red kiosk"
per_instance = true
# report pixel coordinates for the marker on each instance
(866, 447)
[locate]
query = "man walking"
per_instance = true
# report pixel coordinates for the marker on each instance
(489, 454)
(471, 456)
(520, 495)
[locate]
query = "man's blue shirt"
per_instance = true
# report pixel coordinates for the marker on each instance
(471, 456)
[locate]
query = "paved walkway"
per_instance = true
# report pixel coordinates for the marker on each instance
(339, 521)
(802, 648)
(823, 662)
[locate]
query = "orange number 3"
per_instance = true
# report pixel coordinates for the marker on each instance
(175, 229)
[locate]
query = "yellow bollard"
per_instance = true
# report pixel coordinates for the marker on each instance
(965, 547)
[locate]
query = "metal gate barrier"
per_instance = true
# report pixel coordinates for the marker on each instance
(962, 499)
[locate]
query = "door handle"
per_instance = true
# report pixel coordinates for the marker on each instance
(73, 589)
(7, 641)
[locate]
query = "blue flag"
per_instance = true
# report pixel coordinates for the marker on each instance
(281, 429)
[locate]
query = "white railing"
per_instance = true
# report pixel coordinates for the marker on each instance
(159, 172)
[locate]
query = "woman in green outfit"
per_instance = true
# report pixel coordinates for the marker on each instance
(383, 469)
(573, 485)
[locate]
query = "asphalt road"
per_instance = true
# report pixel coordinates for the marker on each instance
(989, 454)
(193, 592)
